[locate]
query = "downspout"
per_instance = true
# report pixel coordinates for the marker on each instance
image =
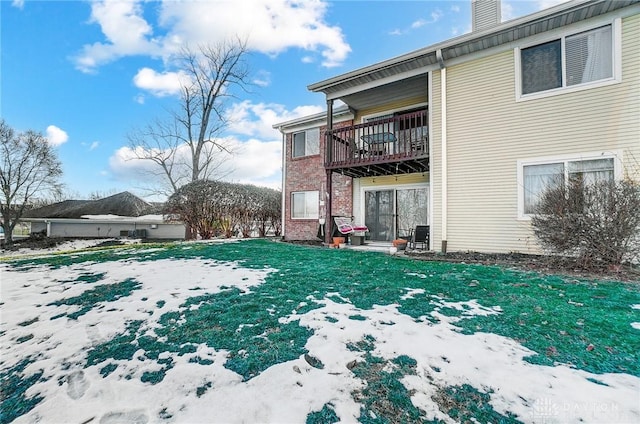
(443, 148)
(327, 197)
(284, 178)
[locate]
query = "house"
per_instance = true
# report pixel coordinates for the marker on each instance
(122, 214)
(465, 134)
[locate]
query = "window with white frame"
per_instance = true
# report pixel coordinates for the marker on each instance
(538, 176)
(305, 205)
(306, 143)
(583, 58)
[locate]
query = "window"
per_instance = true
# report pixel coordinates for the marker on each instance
(538, 177)
(573, 60)
(304, 205)
(306, 143)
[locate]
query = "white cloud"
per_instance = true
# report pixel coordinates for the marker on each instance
(435, 16)
(56, 136)
(544, 4)
(160, 83)
(455, 8)
(91, 146)
(262, 79)
(18, 3)
(257, 119)
(256, 162)
(506, 11)
(126, 32)
(251, 162)
(419, 23)
(256, 147)
(269, 26)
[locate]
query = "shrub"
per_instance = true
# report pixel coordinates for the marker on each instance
(214, 208)
(599, 223)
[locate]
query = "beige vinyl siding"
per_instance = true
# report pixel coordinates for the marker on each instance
(488, 132)
(381, 109)
(389, 180)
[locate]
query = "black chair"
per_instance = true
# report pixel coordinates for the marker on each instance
(419, 235)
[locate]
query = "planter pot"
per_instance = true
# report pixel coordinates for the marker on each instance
(400, 244)
(338, 240)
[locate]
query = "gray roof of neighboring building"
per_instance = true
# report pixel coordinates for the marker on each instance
(121, 204)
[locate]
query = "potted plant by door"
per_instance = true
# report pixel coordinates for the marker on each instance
(400, 244)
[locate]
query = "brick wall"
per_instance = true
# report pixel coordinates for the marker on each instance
(306, 174)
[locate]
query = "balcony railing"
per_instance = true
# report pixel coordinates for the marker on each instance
(401, 139)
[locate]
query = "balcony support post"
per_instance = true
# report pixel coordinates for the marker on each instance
(328, 195)
(328, 234)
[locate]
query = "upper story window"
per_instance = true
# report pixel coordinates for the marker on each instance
(575, 60)
(306, 143)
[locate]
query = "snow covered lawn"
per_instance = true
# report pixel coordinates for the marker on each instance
(262, 331)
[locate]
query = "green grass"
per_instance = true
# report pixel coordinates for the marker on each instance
(13, 384)
(384, 399)
(91, 298)
(327, 415)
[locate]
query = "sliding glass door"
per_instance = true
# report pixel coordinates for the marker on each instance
(391, 213)
(412, 205)
(379, 214)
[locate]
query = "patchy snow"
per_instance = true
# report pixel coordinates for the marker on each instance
(65, 246)
(286, 392)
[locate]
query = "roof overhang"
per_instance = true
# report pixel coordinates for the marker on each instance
(340, 113)
(354, 87)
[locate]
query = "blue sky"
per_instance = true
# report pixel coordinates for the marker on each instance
(87, 74)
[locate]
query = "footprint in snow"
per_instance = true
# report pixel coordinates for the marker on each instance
(77, 385)
(137, 416)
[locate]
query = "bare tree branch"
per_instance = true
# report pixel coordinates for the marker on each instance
(29, 167)
(187, 147)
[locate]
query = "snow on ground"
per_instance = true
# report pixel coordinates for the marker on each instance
(69, 245)
(286, 392)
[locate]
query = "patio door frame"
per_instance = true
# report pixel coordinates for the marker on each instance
(395, 188)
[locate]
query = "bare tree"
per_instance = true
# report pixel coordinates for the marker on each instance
(187, 146)
(29, 167)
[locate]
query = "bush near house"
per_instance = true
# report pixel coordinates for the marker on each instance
(599, 223)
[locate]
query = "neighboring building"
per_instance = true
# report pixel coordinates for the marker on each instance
(122, 214)
(464, 135)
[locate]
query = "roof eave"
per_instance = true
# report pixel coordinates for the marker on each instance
(456, 42)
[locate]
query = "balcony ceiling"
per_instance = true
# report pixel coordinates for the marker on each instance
(385, 167)
(389, 93)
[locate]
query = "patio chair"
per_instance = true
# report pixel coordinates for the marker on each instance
(419, 235)
(356, 150)
(346, 226)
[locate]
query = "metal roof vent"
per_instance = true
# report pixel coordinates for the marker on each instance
(484, 14)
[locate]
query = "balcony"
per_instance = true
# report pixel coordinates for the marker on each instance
(391, 145)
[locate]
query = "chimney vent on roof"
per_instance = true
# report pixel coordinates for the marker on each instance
(484, 14)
